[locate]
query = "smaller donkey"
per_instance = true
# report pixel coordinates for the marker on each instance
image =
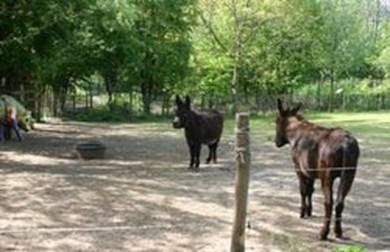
(199, 128)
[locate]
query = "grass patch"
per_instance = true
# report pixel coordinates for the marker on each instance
(287, 243)
(104, 114)
(373, 126)
(350, 249)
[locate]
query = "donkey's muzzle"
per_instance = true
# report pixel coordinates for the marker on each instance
(176, 125)
(279, 143)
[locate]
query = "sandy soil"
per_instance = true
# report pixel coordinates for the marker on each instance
(142, 197)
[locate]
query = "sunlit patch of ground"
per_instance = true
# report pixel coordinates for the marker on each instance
(142, 197)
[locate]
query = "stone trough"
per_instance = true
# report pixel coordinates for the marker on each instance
(91, 149)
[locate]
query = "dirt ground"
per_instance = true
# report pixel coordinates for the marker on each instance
(142, 197)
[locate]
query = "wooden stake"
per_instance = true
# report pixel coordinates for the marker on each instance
(242, 182)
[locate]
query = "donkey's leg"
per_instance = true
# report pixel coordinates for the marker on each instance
(215, 152)
(210, 153)
(310, 190)
(303, 191)
(192, 156)
(345, 185)
(197, 149)
(327, 184)
(301, 165)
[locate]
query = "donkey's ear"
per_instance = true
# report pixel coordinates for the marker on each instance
(296, 108)
(280, 107)
(179, 102)
(188, 102)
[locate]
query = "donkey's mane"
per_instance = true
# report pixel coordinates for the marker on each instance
(309, 125)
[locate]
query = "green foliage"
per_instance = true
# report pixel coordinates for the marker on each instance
(280, 44)
(115, 114)
(382, 61)
(350, 249)
(220, 51)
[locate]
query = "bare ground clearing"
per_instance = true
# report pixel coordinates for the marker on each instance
(142, 197)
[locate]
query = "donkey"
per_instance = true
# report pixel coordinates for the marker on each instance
(318, 152)
(199, 128)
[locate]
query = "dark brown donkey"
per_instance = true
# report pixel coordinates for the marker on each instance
(200, 128)
(318, 152)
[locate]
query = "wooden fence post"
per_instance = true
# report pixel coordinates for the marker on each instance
(242, 182)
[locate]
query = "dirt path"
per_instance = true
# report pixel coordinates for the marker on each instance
(142, 197)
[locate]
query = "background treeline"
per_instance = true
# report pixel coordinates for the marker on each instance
(131, 56)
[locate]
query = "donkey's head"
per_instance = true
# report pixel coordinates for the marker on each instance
(282, 122)
(182, 112)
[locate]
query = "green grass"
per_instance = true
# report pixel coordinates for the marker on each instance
(374, 126)
(372, 129)
(262, 125)
(350, 249)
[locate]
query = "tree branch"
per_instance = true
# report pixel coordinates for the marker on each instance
(213, 33)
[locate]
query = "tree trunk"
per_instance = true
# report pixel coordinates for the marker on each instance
(202, 102)
(211, 100)
(74, 102)
(331, 94)
(90, 95)
(146, 97)
(22, 94)
(163, 103)
(131, 101)
(55, 105)
(258, 99)
(63, 101)
(38, 108)
(109, 81)
(234, 85)
(109, 102)
(246, 95)
(318, 100)
(86, 100)
(166, 104)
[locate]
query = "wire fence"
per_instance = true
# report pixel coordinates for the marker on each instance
(253, 221)
(222, 170)
(78, 229)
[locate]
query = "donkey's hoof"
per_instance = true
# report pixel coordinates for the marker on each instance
(338, 234)
(324, 235)
(192, 168)
(302, 214)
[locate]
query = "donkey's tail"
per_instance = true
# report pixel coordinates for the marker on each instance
(351, 154)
